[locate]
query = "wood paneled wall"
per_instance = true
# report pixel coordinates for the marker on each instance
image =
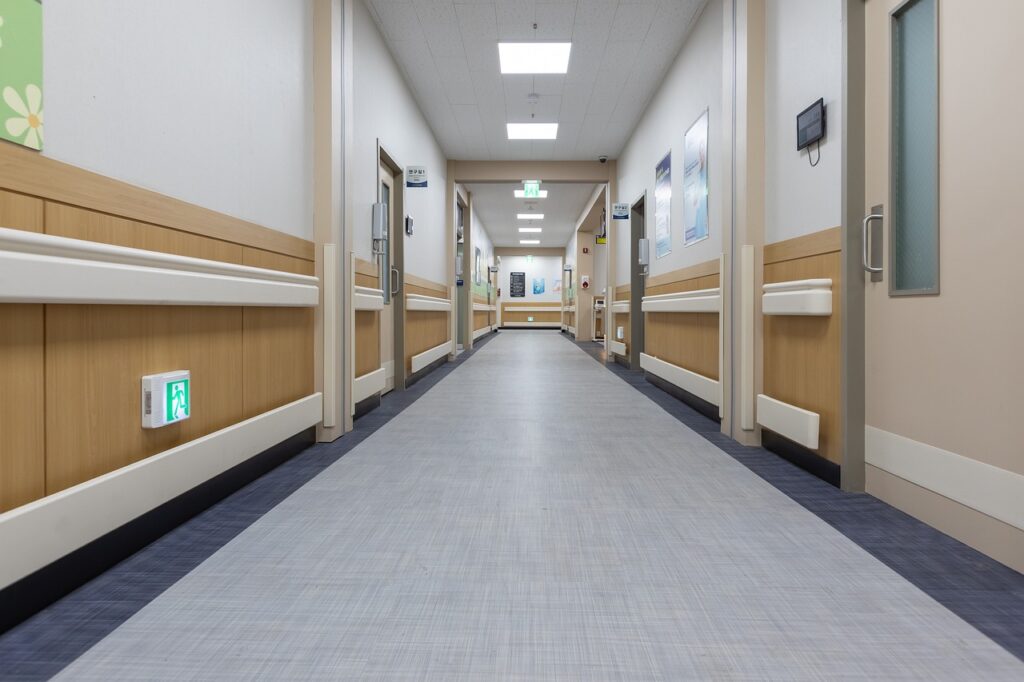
(425, 329)
(510, 314)
(802, 355)
(69, 375)
(688, 340)
(367, 326)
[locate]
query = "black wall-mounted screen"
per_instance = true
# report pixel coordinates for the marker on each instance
(810, 125)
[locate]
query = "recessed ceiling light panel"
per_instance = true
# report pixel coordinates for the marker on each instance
(529, 241)
(530, 216)
(534, 57)
(531, 229)
(532, 131)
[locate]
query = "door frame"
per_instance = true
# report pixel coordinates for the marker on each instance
(637, 281)
(397, 245)
(852, 357)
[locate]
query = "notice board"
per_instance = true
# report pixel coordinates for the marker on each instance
(517, 284)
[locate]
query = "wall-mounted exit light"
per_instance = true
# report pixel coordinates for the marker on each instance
(534, 57)
(529, 241)
(521, 194)
(530, 216)
(532, 131)
(166, 398)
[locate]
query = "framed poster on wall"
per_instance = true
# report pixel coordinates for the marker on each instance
(517, 285)
(21, 72)
(695, 182)
(663, 207)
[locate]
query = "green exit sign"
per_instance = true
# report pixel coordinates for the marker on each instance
(166, 398)
(531, 190)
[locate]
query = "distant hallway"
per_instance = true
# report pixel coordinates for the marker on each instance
(534, 517)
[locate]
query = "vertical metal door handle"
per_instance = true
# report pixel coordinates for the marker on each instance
(394, 281)
(864, 241)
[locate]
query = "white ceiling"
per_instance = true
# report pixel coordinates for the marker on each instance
(448, 52)
(497, 207)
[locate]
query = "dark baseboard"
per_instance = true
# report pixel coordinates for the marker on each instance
(704, 407)
(38, 590)
(622, 360)
(366, 405)
(797, 454)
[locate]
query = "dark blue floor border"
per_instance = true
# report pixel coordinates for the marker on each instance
(977, 588)
(43, 645)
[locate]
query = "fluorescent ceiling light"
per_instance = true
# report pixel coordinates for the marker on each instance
(534, 57)
(532, 131)
(529, 241)
(530, 216)
(521, 194)
(531, 229)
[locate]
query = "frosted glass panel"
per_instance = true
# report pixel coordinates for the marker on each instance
(915, 223)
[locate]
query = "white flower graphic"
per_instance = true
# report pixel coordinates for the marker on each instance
(29, 121)
(1, 25)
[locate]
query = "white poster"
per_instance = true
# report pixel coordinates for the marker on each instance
(663, 207)
(695, 182)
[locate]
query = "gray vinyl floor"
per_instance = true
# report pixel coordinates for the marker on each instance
(533, 517)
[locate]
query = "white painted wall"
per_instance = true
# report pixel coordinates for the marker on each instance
(208, 102)
(479, 239)
(600, 277)
(385, 110)
(803, 46)
(548, 267)
(693, 83)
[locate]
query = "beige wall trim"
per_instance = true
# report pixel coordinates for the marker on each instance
(711, 267)
(30, 173)
(365, 267)
(983, 487)
(988, 535)
(825, 241)
(517, 171)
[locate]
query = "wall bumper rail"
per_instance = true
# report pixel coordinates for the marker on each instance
(480, 332)
(427, 303)
(47, 529)
(484, 308)
(42, 268)
(620, 307)
(423, 359)
(699, 301)
(699, 385)
(368, 384)
(795, 423)
(617, 347)
(807, 297)
(367, 298)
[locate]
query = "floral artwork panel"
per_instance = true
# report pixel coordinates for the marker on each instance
(21, 72)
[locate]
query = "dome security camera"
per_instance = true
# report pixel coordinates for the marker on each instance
(603, 158)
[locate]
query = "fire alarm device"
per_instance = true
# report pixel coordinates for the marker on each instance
(586, 249)
(585, 281)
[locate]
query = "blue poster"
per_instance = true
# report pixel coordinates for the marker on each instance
(663, 207)
(695, 182)
(538, 286)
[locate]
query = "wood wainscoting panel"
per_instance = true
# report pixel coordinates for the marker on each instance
(28, 172)
(367, 341)
(22, 427)
(77, 223)
(509, 314)
(802, 355)
(258, 258)
(367, 325)
(481, 319)
(622, 293)
(19, 212)
(278, 357)
(367, 274)
(22, 435)
(424, 329)
(687, 340)
(95, 358)
(825, 241)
